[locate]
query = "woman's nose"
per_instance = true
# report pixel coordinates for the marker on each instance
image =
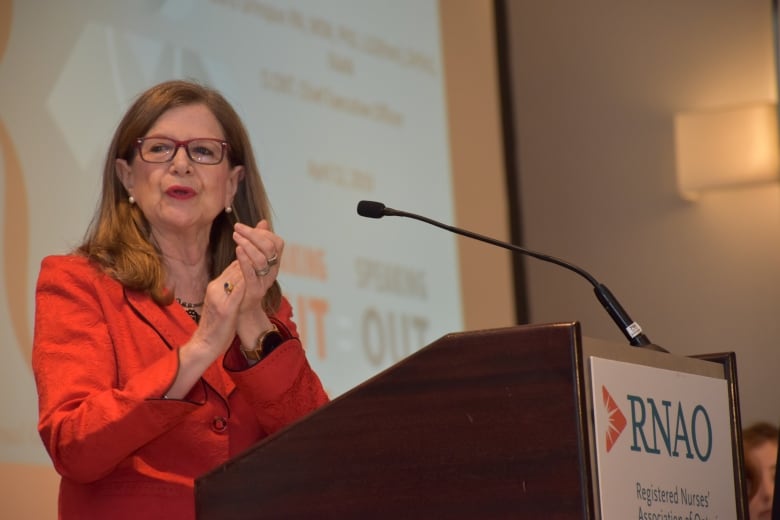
(181, 160)
(767, 488)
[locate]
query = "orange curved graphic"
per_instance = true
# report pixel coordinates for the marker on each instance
(16, 236)
(16, 231)
(5, 24)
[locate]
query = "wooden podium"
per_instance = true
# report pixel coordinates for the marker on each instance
(488, 424)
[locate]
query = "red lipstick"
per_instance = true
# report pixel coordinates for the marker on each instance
(180, 192)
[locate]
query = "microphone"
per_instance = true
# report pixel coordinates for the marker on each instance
(630, 328)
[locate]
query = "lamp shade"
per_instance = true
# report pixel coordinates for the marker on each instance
(726, 148)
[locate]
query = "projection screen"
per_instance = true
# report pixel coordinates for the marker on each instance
(344, 100)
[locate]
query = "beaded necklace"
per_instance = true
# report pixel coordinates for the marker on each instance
(189, 308)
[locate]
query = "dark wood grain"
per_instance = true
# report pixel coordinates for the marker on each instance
(475, 425)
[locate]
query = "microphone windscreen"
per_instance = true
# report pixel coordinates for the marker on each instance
(370, 209)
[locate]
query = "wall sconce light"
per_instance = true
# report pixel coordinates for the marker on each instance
(724, 148)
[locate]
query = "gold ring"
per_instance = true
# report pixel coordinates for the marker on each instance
(273, 260)
(228, 288)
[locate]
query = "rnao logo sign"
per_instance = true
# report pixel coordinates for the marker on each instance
(666, 428)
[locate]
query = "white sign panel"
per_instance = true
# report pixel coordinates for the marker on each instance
(663, 443)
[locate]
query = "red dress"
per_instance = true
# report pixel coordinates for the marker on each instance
(103, 357)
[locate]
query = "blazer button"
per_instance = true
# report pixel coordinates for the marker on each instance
(219, 424)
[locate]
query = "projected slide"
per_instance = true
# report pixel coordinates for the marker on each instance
(344, 101)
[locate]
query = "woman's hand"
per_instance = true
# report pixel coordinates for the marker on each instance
(216, 329)
(259, 253)
(234, 300)
(233, 304)
(217, 325)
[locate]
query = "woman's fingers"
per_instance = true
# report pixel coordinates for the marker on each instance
(262, 247)
(219, 316)
(257, 279)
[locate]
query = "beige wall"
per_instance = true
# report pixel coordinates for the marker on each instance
(596, 88)
(28, 492)
(476, 149)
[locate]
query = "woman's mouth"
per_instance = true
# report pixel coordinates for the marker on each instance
(180, 192)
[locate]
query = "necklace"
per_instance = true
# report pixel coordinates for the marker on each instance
(189, 308)
(188, 305)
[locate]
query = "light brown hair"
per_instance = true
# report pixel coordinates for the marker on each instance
(119, 237)
(753, 437)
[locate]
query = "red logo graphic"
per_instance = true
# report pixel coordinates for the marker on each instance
(617, 421)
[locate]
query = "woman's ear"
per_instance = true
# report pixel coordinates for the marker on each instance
(125, 174)
(236, 175)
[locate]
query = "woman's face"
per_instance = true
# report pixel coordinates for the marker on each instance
(760, 463)
(181, 196)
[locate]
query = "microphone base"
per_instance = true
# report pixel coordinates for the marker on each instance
(657, 348)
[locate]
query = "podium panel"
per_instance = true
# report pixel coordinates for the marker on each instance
(485, 424)
(475, 425)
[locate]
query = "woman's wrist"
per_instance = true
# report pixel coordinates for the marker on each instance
(249, 328)
(258, 337)
(265, 343)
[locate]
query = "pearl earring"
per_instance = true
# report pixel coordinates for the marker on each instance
(228, 209)
(131, 200)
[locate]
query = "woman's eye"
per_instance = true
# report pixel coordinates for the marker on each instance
(202, 150)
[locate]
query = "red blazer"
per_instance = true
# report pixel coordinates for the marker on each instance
(103, 357)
